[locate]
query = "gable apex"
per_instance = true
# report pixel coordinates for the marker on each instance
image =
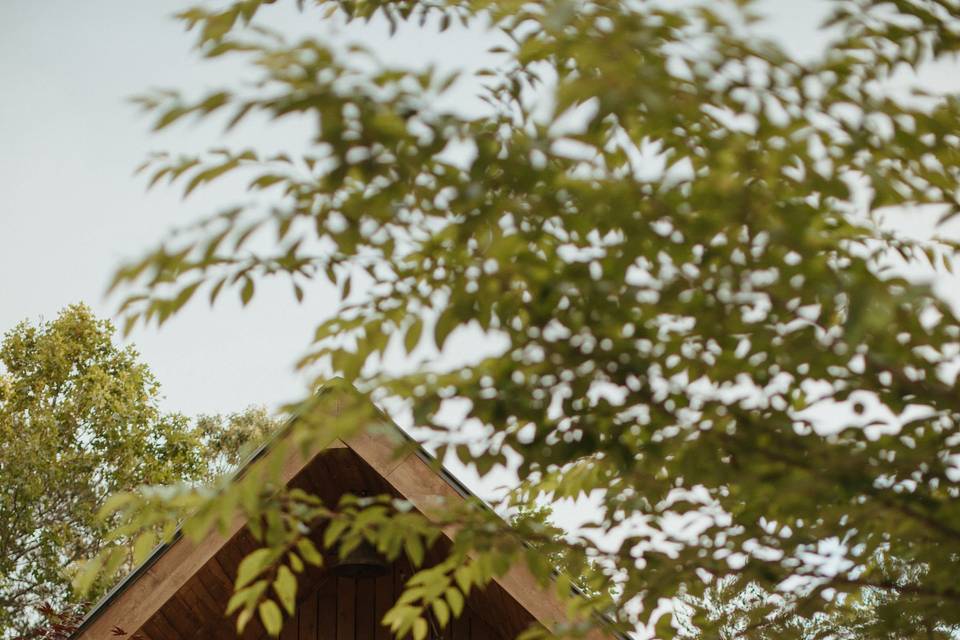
(183, 587)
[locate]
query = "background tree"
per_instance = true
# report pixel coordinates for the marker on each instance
(673, 233)
(79, 421)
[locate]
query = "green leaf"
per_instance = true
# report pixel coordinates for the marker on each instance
(295, 562)
(85, 578)
(115, 503)
(185, 294)
(246, 597)
(215, 291)
(309, 552)
(441, 611)
(271, 616)
(414, 548)
(419, 629)
(246, 293)
(446, 323)
(143, 545)
(455, 600)
(243, 619)
(333, 532)
(664, 626)
(251, 566)
(286, 587)
(464, 577)
(413, 335)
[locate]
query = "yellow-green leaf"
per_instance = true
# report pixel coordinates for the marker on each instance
(309, 552)
(271, 616)
(286, 587)
(251, 566)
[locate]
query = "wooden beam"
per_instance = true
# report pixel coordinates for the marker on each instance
(137, 602)
(424, 487)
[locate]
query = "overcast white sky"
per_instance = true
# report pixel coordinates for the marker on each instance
(71, 210)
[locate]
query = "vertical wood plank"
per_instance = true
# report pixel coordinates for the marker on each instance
(158, 628)
(402, 570)
(383, 600)
(366, 609)
(217, 592)
(327, 616)
(291, 626)
(218, 581)
(461, 626)
(253, 631)
(143, 634)
(346, 608)
(226, 628)
(308, 618)
(230, 556)
(199, 600)
(480, 630)
(180, 618)
(401, 573)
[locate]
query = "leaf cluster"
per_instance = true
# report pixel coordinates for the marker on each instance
(79, 422)
(675, 231)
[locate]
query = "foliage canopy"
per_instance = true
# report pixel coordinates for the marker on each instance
(674, 230)
(79, 421)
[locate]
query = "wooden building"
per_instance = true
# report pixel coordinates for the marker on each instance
(181, 591)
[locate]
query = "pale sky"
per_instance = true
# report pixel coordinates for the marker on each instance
(71, 208)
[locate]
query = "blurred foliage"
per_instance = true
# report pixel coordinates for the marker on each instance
(589, 579)
(674, 229)
(79, 421)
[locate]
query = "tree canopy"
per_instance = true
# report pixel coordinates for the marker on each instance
(673, 234)
(79, 421)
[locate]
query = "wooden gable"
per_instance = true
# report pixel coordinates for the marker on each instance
(181, 592)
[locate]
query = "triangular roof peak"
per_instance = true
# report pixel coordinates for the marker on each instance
(181, 591)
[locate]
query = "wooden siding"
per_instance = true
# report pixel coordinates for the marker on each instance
(181, 592)
(351, 609)
(329, 608)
